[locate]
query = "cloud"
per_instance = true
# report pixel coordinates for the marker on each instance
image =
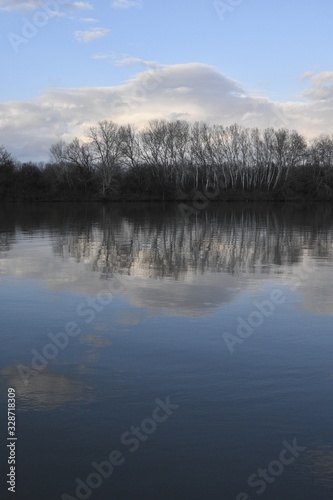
(9, 5)
(88, 20)
(190, 91)
(126, 4)
(17, 5)
(306, 75)
(136, 61)
(321, 88)
(104, 56)
(89, 36)
(82, 5)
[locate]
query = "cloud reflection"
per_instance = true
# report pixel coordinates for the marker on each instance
(47, 390)
(319, 462)
(182, 266)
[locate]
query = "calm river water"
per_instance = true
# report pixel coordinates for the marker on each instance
(159, 357)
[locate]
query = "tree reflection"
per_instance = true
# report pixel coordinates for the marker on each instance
(162, 244)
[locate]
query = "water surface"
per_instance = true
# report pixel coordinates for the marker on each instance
(226, 314)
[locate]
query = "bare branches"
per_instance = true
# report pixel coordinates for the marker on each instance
(172, 158)
(5, 157)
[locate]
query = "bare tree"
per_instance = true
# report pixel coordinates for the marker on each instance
(173, 157)
(7, 170)
(5, 157)
(80, 157)
(106, 145)
(60, 164)
(321, 152)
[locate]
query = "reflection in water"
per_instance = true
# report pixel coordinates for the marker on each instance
(234, 410)
(320, 465)
(5, 244)
(233, 241)
(46, 390)
(167, 256)
(94, 340)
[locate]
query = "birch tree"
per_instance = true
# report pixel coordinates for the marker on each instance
(107, 151)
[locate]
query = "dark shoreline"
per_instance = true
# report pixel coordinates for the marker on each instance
(186, 201)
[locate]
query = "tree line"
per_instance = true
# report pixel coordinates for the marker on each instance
(173, 160)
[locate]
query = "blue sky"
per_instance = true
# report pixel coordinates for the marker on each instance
(255, 62)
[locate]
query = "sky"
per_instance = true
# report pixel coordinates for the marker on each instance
(68, 64)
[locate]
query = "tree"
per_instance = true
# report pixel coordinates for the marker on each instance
(107, 151)
(7, 173)
(61, 168)
(132, 157)
(81, 160)
(321, 152)
(29, 180)
(5, 157)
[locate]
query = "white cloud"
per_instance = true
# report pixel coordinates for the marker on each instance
(17, 5)
(9, 5)
(89, 36)
(106, 55)
(136, 61)
(55, 6)
(307, 75)
(88, 20)
(321, 88)
(82, 5)
(186, 91)
(126, 4)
